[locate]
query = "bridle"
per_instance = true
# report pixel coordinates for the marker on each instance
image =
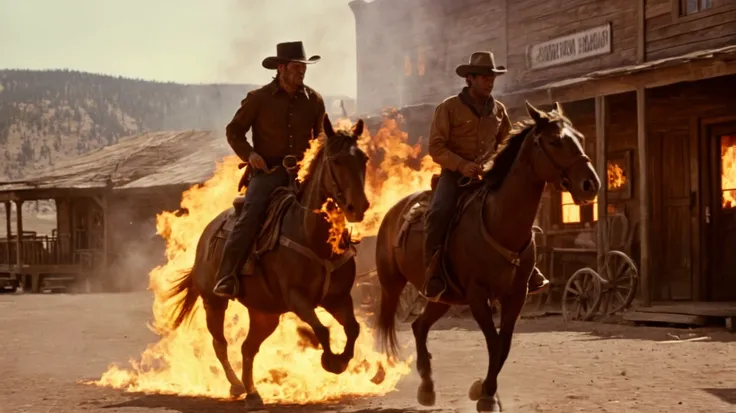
(562, 182)
(337, 195)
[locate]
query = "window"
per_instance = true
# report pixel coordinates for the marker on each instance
(421, 61)
(574, 215)
(407, 66)
(688, 7)
(728, 172)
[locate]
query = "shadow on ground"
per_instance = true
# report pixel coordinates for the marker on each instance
(727, 395)
(612, 328)
(205, 405)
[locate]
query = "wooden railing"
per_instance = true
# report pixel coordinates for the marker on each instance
(37, 250)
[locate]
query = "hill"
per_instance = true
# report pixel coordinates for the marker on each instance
(48, 116)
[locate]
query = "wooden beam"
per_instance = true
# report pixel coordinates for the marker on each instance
(647, 78)
(8, 230)
(641, 45)
(18, 236)
(101, 201)
(601, 115)
(643, 185)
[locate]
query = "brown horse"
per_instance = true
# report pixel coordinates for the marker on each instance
(300, 273)
(489, 253)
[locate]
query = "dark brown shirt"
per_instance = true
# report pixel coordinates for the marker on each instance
(282, 124)
(463, 131)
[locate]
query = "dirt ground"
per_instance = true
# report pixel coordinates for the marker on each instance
(49, 342)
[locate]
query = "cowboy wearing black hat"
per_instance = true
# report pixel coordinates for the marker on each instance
(466, 128)
(284, 116)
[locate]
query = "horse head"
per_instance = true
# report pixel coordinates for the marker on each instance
(559, 156)
(343, 174)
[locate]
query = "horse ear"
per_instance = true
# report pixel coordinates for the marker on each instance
(558, 108)
(358, 128)
(327, 126)
(535, 113)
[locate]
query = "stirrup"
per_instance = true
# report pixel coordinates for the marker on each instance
(437, 297)
(236, 287)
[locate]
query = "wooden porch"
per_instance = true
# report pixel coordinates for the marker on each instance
(700, 313)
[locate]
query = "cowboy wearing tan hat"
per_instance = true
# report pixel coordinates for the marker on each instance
(284, 116)
(465, 130)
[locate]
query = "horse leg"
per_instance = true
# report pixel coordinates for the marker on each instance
(488, 400)
(510, 311)
(215, 310)
(432, 312)
(343, 312)
(301, 307)
(261, 326)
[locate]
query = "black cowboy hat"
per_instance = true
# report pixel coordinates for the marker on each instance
(288, 52)
(480, 63)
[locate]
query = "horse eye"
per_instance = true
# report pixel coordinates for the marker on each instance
(556, 143)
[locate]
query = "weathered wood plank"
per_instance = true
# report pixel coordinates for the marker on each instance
(642, 317)
(643, 185)
(656, 8)
(687, 28)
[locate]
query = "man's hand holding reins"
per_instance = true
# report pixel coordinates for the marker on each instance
(470, 169)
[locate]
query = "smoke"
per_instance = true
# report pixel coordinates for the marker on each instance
(327, 28)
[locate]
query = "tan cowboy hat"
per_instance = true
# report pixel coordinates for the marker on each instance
(288, 52)
(480, 63)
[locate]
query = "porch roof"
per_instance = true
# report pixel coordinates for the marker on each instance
(131, 159)
(693, 66)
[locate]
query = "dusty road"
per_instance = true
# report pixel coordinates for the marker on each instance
(50, 342)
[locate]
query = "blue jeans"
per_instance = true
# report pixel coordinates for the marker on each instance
(240, 240)
(440, 212)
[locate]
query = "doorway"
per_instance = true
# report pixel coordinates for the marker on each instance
(719, 211)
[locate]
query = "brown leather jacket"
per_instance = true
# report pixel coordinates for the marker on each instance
(464, 132)
(282, 124)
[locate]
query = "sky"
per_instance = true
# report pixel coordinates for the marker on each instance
(184, 41)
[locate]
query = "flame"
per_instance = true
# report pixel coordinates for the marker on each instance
(183, 362)
(336, 218)
(728, 171)
(616, 176)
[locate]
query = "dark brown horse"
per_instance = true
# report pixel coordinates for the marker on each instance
(300, 273)
(490, 251)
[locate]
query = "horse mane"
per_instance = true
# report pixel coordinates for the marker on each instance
(498, 167)
(501, 162)
(315, 153)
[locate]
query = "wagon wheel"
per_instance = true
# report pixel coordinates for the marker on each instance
(621, 275)
(411, 304)
(582, 295)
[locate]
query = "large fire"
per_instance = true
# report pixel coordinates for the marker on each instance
(183, 361)
(616, 176)
(728, 171)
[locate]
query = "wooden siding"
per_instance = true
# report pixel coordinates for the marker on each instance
(669, 34)
(674, 115)
(534, 21)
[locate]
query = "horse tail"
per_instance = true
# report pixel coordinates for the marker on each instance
(392, 284)
(185, 304)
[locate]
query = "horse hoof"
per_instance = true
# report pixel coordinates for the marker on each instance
(236, 390)
(426, 395)
(426, 398)
(253, 401)
(476, 390)
(489, 404)
(333, 364)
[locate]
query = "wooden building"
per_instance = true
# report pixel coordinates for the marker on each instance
(649, 82)
(106, 203)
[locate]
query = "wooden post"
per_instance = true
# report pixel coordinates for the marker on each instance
(8, 230)
(601, 167)
(18, 236)
(641, 51)
(643, 184)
